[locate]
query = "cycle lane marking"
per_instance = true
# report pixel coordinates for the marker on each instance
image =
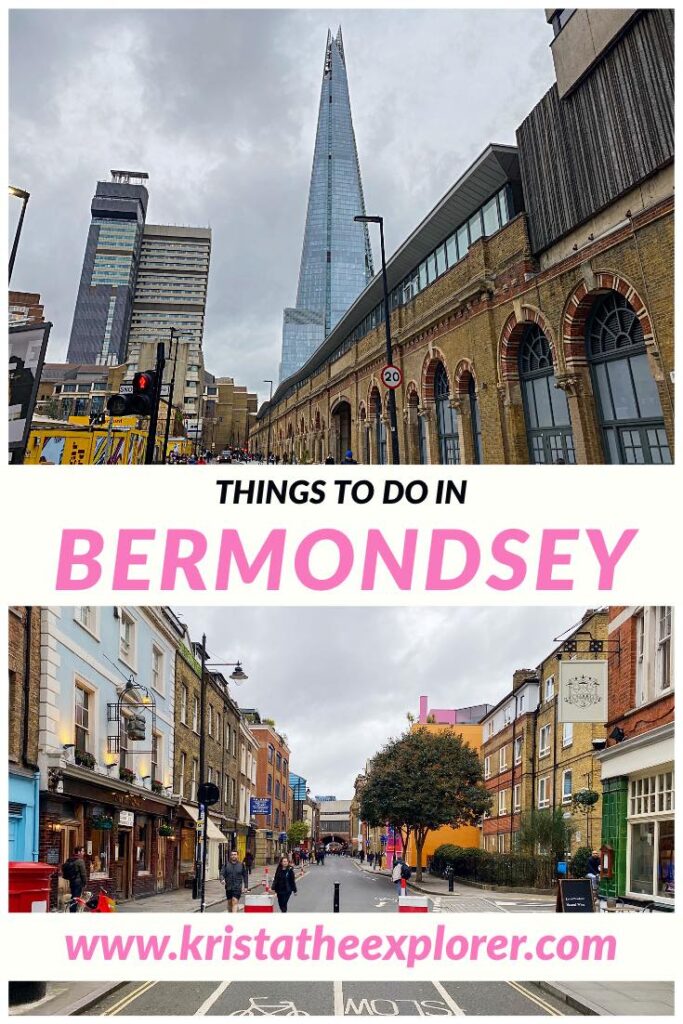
(208, 1003)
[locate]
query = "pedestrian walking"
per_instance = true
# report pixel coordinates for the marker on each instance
(361, 856)
(235, 878)
(284, 883)
(348, 459)
(73, 870)
(401, 872)
(371, 858)
(329, 461)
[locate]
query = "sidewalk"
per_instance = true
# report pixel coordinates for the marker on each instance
(179, 901)
(66, 999)
(615, 998)
(433, 886)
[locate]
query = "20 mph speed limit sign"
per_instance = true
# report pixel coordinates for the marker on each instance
(391, 377)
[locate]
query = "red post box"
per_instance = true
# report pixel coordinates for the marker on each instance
(259, 904)
(29, 887)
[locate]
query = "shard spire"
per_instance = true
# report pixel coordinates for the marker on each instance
(336, 258)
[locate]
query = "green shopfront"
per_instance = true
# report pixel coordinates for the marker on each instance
(638, 818)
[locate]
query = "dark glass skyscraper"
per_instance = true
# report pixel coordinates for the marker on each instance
(99, 333)
(336, 261)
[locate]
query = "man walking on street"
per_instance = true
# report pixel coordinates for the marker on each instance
(73, 870)
(235, 877)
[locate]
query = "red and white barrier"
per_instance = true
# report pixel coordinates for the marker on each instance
(413, 905)
(263, 904)
(266, 880)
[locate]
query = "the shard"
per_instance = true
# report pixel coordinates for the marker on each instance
(336, 261)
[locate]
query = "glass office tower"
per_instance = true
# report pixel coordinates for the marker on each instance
(336, 261)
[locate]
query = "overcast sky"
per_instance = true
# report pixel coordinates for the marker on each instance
(220, 108)
(340, 681)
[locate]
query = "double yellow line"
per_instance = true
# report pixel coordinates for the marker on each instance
(127, 1000)
(532, 997)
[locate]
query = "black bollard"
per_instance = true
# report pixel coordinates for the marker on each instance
(335, 899)
(21, 992)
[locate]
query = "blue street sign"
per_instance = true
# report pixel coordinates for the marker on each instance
(260, 805)
(283, 837)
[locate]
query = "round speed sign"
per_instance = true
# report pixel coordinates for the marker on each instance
(391, 377)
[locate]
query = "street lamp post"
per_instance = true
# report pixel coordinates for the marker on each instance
(393, 422)
(20, 193)
(237, 676)
(270, 411)
(169, 407)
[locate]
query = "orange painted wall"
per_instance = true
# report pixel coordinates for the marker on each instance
(469, 835)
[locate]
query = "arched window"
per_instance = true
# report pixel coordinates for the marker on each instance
(380, 430)
(475, 419)
(548, 426)
(447, 426)
(628, 401)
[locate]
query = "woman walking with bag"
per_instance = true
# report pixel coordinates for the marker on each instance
(284, 883)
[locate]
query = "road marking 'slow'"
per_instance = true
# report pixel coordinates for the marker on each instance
(536, 999)
(130, 998)
(448, 1000)
(208, 1003)
(338, 999)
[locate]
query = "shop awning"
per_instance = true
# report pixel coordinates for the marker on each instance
(213, 832)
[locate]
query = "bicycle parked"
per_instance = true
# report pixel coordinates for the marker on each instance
(91, 903)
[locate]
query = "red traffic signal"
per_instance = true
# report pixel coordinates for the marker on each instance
(144, 382)
(139, 402)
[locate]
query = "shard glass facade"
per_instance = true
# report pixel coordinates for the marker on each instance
(336, 261)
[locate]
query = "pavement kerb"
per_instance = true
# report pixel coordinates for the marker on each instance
(79, 1005)
(419, 887)
(583, 1005)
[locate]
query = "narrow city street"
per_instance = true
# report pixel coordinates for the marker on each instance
(350, 999)
(362, 890)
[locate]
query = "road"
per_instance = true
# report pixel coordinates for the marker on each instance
(325, 998)
(367, 891)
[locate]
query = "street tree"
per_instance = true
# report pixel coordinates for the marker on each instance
(297, 832)
(544, 830)
(422, 781)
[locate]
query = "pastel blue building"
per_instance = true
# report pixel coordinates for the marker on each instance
(336, 260)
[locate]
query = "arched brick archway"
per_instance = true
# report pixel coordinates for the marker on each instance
(511, 337)
(464, 372)
(466, 394)
(578, 307)
(429, 368)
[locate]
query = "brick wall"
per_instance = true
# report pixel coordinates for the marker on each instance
(19, 710)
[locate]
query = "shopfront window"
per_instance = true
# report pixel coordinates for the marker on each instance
(546, 412)
(651, 841)
(101, 845)
(187, 841)
(144, 845)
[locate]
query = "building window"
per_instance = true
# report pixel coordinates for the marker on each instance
(82, 719)
(502, 802)
(663, 650)
(546, 412)
(269, 784)
(86, 616)
(519, 742)
(641, 694)
(195, 714)
(233, 743)
(183, 770)
(277, 817)
(277, 789)
(628, 401)
(567, 734)
(278, 761)
(183, 704)
(232, 792)
(651, 858)
(521, 704)
(157, 670)
(517, 796)
(210, 723)
(489, 729)
(99, 857)
(155, 757)
(544, 741)
(127, 639)
(549, 688)
(475, 419)
(544, 792)
(446, 421)
(380, 430)
(502, 844)
(503, 758)
(195, 770)
(271, 753)
(143, 845)
(487, 767)
(567, 787)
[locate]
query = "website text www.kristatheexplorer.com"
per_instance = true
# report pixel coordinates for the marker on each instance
(316, 944)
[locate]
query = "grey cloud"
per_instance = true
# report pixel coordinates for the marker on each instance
(339, 681)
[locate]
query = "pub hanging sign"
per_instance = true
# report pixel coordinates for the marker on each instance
(583, 691)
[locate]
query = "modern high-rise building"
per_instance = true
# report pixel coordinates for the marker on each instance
(336, 261)
(99, 333)
(170, 291)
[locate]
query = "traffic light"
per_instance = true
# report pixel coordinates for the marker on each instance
(140, 400)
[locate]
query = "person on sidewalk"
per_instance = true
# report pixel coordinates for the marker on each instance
(371, 858)
(235, 877)
(348, 459)
(284, 883)
(593, 870)
(401, 872)
(248, 863)
(73, 870)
